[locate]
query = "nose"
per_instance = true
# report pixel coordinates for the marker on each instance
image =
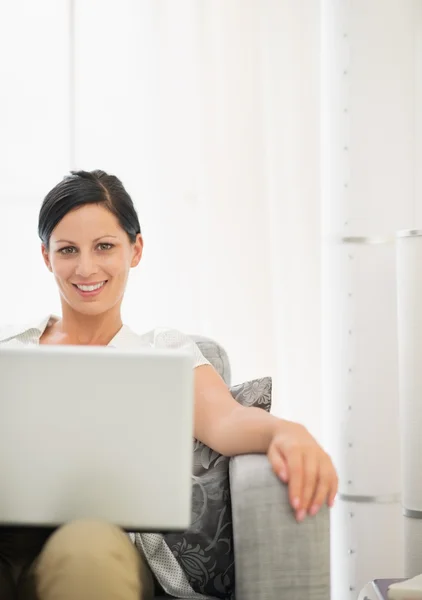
(86, 265)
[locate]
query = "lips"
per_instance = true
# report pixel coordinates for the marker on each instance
(90, 289)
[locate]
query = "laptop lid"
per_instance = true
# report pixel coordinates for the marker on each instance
(96, 432)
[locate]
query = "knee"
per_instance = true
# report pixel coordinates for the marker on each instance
(90, 539)
(88, 555)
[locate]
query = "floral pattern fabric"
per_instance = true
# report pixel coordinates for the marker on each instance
(205, 551)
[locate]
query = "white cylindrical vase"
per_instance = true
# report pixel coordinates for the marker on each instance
(409, 308)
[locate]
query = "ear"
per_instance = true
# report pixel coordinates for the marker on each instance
(46, 257)
(138, 248)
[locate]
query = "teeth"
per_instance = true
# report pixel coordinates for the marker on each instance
(90, 288)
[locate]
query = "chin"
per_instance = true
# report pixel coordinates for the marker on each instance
(90, 309)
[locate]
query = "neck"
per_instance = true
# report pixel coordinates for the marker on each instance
(89, 330)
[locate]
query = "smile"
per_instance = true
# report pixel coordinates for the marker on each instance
(90, 289)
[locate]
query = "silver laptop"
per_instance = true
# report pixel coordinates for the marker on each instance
(91, 432)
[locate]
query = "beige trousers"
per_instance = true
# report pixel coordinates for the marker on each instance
(87, 560)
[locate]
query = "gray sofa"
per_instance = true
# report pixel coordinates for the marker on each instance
(275, 557)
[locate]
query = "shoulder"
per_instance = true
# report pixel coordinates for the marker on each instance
(33, 328)
(160, 337)
(165, 337)
(172, 338)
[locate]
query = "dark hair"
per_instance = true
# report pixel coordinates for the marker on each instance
(87, 187)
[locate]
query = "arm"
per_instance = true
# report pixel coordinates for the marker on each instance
(223, 424)
(231, 429)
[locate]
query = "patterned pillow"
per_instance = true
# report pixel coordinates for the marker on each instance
(205, 550)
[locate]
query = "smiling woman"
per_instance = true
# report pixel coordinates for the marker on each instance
(91, 239)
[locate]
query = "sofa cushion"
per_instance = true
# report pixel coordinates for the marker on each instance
(205, 551)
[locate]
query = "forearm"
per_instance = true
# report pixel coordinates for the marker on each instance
(223, 424)
(246, 430)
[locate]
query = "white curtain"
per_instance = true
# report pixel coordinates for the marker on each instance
(208, 111)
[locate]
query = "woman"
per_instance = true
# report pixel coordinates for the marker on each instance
(91, 238)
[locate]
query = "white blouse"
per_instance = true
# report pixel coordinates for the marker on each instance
(125, 339)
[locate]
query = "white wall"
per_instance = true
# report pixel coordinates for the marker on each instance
(291, 83)
(34, 141)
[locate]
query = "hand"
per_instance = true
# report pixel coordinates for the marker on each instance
(300, 462)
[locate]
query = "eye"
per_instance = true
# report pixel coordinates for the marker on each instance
(67, 250)
(105, 246)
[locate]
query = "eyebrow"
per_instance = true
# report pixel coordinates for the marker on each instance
(96, 240)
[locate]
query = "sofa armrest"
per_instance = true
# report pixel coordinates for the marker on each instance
(276, 558)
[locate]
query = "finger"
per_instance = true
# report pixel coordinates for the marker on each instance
(333, 489)
(310, 480)
(278, 464)
(283, 472)
(295, 468)
(327, 487)
(321, 494)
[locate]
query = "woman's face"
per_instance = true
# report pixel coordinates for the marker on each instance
(90, 256)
